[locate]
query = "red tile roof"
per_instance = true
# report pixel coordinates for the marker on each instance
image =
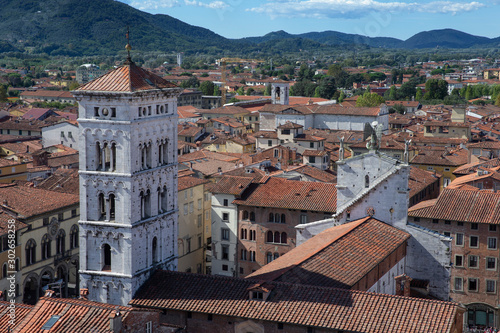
(14, 197)
(472, 167)
(329, 308)
(21, 311)
(442, 157)
(233, 185)
(189, 181)
(338, 257)
(127, 78)
(465, 205)
(76, 316)
(292, 194)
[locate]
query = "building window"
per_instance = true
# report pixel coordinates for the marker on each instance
(149, 327)
(73, 212)
(474, 241)
(225, 217)
(244, 254)
(245, 215)
(473, 261)
(258, 295)
(492, 243)
(185, 209)
(225, 234)
(491, 263)
(269, 257)
(46, 253)
(473, 284)
(226, 202)
(106, 251)
(283, 218)
(435, 221)
(271, 217)
(446, 181)
(269, 143)
(459, 284)
(474, 226)
(45, 221)
(447, 222)
(225, 252)
(155, 250)
(60, 242)
(460, 224)
(244, 233)
(367, 181)
(459, 261)
(493, 227)
(200, 204)
(30, 252)
(252, 255)
(60, 216)
(252, 235)
(73, 237)
(416, 219)
(270, 237)
(459, 239)
(252, 216)
(191, 207)
(491, 286)
(303, 219)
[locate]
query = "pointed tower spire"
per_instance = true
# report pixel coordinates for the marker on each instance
(128, 47)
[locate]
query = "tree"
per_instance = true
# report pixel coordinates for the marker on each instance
(419, 95)
(241, 91)
(207, 88)
(497, 102)
(326, 88)
(436, 89)
(341, 97)
(267, 91)
(3, 93)
(369, 99)
(250, 91)
(392, 94)
(408, 89)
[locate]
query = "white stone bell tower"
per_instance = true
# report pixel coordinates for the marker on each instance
(128, 181)
(280, 92)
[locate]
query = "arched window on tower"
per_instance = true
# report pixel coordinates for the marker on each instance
(145, 204)
(111, 207)
(277, 218)
(270, 236)
(283, 218)
(155, 250)
(102, 206)
(367, 181)
(271, 217)
(277, 237)
(98, 158)
(269, 257)
(283, 238)
(252, 216)
(106, 256)
(245, 215)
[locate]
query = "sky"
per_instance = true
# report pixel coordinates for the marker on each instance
(375, 18)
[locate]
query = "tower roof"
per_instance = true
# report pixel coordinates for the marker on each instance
(127, 78)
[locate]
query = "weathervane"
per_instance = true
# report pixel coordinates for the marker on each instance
(128, 47)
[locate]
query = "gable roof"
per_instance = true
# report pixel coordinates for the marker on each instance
(127, 78)
(292, 194)
(329, 308)
(338, 257)
(465, 205)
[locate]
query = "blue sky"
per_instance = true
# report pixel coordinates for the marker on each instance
(375, 18)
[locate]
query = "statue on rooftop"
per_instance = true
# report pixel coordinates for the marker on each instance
(374, 131)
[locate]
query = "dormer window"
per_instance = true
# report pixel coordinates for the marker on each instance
(257, 295)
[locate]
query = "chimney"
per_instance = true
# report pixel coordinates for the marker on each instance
(84, 293)
(27, 148)
(403, 285)
(115, 321)
(219, 170)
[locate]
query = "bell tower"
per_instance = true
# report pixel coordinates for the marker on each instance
(128, 181)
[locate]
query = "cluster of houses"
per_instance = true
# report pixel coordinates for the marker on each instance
(270, 214)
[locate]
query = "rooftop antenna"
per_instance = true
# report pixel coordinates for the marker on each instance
(128, 47)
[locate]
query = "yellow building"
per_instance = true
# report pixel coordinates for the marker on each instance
(192, 233)
(12, 170)
(240, 144)
(49, 253)
(10, 256)
(442, 161)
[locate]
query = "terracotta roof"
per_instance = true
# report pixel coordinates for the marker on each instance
(420, 179)
(290, 125)
(310, 171)
(63, 180)
(127, 78)
(4, 225)
(21, 311)
(472, 167)
(309, 152)
(292, 194)
(189, 131)
(471, 178)
(485, 145)
(229, 109)
(266, 134)
(189, 181)
(233, 185)
(307, 137)
(14, 197)
(445, 124)
(76, 316)
(329, 308)
(338, 257)
(435, 156)
(468, 205)
(403, 103)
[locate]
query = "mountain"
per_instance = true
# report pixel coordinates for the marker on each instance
(93, 27)
(74, 27)
(448, 38)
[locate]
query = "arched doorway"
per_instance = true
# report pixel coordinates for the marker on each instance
(30, 290)
(46, 277)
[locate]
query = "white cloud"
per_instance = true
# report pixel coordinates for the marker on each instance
(159, 4)
(153, 4)
(353, 8)
(211, 5)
